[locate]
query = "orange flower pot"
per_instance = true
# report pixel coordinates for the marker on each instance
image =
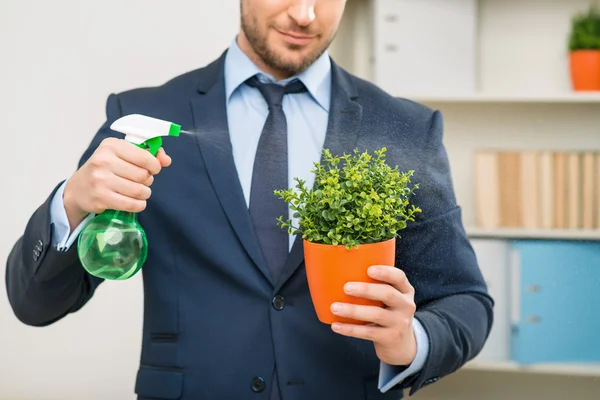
(585, 70)
(329, 268)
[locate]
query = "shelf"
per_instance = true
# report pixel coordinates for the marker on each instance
(591, 370)
(559, 98)
(516, 233)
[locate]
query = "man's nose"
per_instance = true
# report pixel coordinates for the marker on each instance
(302, 11)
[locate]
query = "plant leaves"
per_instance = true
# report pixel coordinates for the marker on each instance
(357, 198)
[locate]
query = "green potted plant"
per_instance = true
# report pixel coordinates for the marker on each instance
(349, 221)
(584, 51)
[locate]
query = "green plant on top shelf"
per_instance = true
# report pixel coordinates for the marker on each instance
(585, 31)
(357, 199)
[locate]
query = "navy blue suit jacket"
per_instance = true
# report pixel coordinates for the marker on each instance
(210, 328)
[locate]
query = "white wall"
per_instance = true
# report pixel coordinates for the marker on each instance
(60, 60)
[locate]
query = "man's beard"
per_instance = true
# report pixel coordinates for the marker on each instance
(269, 57)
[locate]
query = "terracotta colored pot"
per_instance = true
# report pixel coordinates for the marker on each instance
(329, 268)
(585, 70)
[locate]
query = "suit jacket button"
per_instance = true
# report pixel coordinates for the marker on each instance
(258, 384)
(278, 302)
(36, 255)
(430, 381)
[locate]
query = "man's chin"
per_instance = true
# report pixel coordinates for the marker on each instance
(291, 60)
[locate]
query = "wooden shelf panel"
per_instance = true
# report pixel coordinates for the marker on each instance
(556, 234)
(558, 98)
(591, 370)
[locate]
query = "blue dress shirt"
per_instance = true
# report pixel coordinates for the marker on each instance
(307, 115)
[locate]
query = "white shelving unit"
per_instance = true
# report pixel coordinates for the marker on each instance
(548, 234)
(557, 98)
(522, 100)
(590, 370)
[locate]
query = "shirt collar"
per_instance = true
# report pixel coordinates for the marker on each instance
(317, 78)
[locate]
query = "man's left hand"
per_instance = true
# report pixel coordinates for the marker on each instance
(389, 327)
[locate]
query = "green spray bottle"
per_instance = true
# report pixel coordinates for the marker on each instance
(113, 244)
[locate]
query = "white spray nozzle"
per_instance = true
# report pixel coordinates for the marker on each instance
(145, 131)
(139, 128)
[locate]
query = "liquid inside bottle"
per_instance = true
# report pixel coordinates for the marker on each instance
(113, 245)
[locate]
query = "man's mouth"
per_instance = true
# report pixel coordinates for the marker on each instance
(296, 38)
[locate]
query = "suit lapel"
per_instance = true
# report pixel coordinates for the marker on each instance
(210, 121)
(342, 135)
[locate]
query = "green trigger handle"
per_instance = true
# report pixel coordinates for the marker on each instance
(153, 145)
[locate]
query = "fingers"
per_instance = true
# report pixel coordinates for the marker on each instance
(163, 158)
(124, 203)
(372, 333)
(107, 198)
(148, 182)
(392, 275)
(118, 176)
(376, 315)
(128, 188)
(133, 154)
(131, 172)
(109, 191)
(383, 292)
(131, 162)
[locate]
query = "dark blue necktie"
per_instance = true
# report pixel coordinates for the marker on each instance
(271, 173)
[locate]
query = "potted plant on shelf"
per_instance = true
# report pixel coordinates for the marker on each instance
(349, 221)
(584, 51)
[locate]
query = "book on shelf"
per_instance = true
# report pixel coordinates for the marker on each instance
(537, 189)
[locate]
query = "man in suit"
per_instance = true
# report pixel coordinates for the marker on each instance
(227, 311)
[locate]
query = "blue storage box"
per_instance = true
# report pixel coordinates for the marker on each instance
(555, 301)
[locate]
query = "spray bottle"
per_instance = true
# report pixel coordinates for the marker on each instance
(113, 244)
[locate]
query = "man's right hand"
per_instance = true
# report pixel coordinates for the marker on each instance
(117, 176)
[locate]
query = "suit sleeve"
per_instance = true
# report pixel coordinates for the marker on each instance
(43, 283)
(453, 304)
(62, 237)
(392, 375)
